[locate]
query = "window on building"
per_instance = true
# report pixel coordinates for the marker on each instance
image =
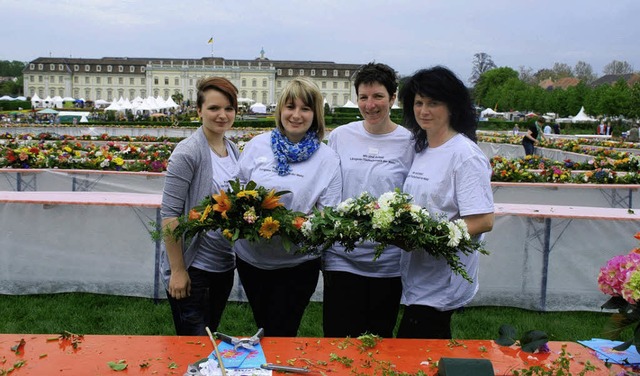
(40, 67)
(87, 93)
(254, 82)
(155, 80)
(120, 93)
(345, 98)
(98, 68)
(346, 73)
(132, 69)
(120, 68)
(279, 83)
(335, 85)
(290, 72)
(176, 81)
(109, 68)
(87, 80)
(334, 99)
(264, 83)
(52, 67)
(61, 92)
(120, 80)
(132, 93)
(132, 81)
(278, 72)
(313, 72)
(324, 72)
(52, 92)
(244, 82)
(98, 93)
(98, 80)
(109, 80)
(143, 81)
(76, 93)
(264, 97)
(110, 95)
(302, 72)
(166, 93)
(156, 92)
(60, 79)
(324, 84)
(32, 66)
(346, 85)
(166, 80)
(60, 67)
(75, 79)
(76, 68)
(52, 79)
(39, 78)
(335, 73)
(87, 68)
(143, 93)
(142, 69)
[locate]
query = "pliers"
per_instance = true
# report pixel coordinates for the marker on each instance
(246, 343)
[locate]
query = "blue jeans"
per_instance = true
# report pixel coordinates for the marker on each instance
(204, 307)
(528, 148)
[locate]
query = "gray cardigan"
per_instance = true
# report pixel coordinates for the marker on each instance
(189, 179)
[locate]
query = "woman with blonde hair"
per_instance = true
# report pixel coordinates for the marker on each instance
(292, 157)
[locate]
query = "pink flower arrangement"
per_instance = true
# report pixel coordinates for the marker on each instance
(615, 277)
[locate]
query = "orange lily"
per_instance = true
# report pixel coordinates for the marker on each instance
(271, 201)
(223, 203)
(298, 222)
(194, 215)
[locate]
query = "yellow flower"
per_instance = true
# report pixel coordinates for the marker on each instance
(271, 201)
(206, 212)
(119, 161)
(227, 233)
(252, 194)
(223, 203)
(269, 227)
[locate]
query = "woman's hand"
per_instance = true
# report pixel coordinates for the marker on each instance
(179, 284)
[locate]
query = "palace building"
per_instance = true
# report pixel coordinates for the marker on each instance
(111, 78)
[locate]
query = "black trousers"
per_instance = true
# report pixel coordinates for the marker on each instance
(205, 305)
(279, 297)
(425, 322)
(354, 305)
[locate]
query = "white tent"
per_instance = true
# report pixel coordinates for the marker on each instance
(114, 106)
(488, 112)
(171, 103)
(258, 108)
(101, 102)
(35, 101)
(350, 104)
(582, 116)
(6, 98)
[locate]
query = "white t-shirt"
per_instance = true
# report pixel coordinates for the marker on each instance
(547, 129)
(375, 163)
(452, 179)
(315, 182)
(224, 169)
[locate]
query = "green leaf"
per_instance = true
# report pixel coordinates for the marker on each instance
(507, 335)
(533, 339)
(251, 185)
(120, 365)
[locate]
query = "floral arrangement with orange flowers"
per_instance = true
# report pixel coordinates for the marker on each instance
(248, 212)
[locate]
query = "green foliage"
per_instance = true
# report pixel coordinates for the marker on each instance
(11, 68)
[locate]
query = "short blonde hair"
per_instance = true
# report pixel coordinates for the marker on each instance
(308, 92)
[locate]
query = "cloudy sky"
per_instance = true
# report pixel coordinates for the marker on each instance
(406, 34)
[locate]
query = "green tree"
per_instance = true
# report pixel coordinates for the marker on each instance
(634, 101)
(561, 70)
(584, 72)
(489, 83)
(177, 97)
(11, 68)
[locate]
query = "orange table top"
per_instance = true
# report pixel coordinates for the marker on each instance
(170, 355)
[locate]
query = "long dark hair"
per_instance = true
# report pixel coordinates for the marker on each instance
(438, 83)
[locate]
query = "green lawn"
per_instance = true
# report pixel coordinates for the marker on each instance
(105, 314)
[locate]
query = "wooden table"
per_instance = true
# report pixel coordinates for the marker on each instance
(170, 355)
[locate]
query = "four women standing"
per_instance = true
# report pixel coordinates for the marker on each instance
(436, 161)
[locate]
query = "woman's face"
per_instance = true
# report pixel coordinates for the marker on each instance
(216, 112)
(431, 114)
(296, 119)
(374, 103)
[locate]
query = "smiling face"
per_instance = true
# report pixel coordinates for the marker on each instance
(432, 115)
(374, 102)
(216, 112)
(296, 119)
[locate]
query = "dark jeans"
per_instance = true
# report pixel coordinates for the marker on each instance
(529, 149)
(204, 307)
(425, 322)
(353, 305)
(279, 297)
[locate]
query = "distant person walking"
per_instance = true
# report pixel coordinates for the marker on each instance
(530, 139)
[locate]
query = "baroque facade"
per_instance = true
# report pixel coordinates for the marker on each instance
(109, 78)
